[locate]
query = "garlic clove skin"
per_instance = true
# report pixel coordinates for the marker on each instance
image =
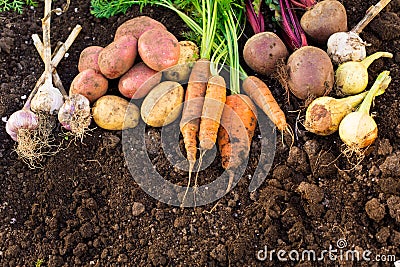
(346, 46)
(358, 130)
(48, 99)
(74, 106)
(21, 119)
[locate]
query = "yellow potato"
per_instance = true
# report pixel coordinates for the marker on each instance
(112, 112)
(189, 53)
(163, 104)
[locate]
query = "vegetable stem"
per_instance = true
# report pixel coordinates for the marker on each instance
(304, 3)
(57, 80)
(372, 12)
(368, 60)
(46, 41)
(379, 86)
(54, 62)
(353, 100)
(295, 36)
(255, 18)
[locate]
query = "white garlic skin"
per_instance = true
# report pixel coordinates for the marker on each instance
(72, 104)
(48, 99)
(346, 46)
(21, 119)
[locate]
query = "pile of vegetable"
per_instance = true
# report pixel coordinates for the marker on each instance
(175, 79)
(32, 126)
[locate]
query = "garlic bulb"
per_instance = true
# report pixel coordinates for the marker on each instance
(48, 99)
(74, 114)
(21, 119)
(346, 46)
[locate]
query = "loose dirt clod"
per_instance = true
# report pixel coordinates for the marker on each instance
(375, 210)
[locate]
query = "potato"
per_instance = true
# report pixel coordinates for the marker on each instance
(163, 104)
(137, 26)
(310, 72)
(118, 57)
(263, 51)
(89, 83)
(89, 58)
(112, 112)
(189, 52)
(138, 81)
(159, 49)
(324, 19)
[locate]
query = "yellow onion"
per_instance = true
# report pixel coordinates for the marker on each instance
(352, 77)
(325, 113)
(358, 129)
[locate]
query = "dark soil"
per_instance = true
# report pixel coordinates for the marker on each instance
(83, 207)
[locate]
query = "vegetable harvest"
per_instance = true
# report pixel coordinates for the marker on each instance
(32, 131)
(352, 76)
(348, 46)
(358, 129)
(325, 113)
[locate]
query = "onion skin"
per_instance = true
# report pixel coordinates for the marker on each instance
(352, 76)
(358, 130)
(324, 114)
(310, 73)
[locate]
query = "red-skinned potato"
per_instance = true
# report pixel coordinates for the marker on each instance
(262, 52)
(137, 26)
(118, 57)
(89, 83)
(324, 19)
(159, 49)
(138, 81)
(310, 72)
(89, 58)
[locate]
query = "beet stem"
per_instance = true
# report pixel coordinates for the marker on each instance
(295, 35)
(306, 4)
(256, 20)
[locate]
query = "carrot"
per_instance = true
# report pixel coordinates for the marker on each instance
(197, 84)
(194, 99)
(262, 96)
(212, 110)
(191, 113)
(238, 125)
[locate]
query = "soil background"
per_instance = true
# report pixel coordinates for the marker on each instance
(83, 208)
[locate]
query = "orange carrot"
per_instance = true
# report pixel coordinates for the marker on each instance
(212, 111)
(194, 99)
(191, 113)
(238, 125)
(262, 96)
